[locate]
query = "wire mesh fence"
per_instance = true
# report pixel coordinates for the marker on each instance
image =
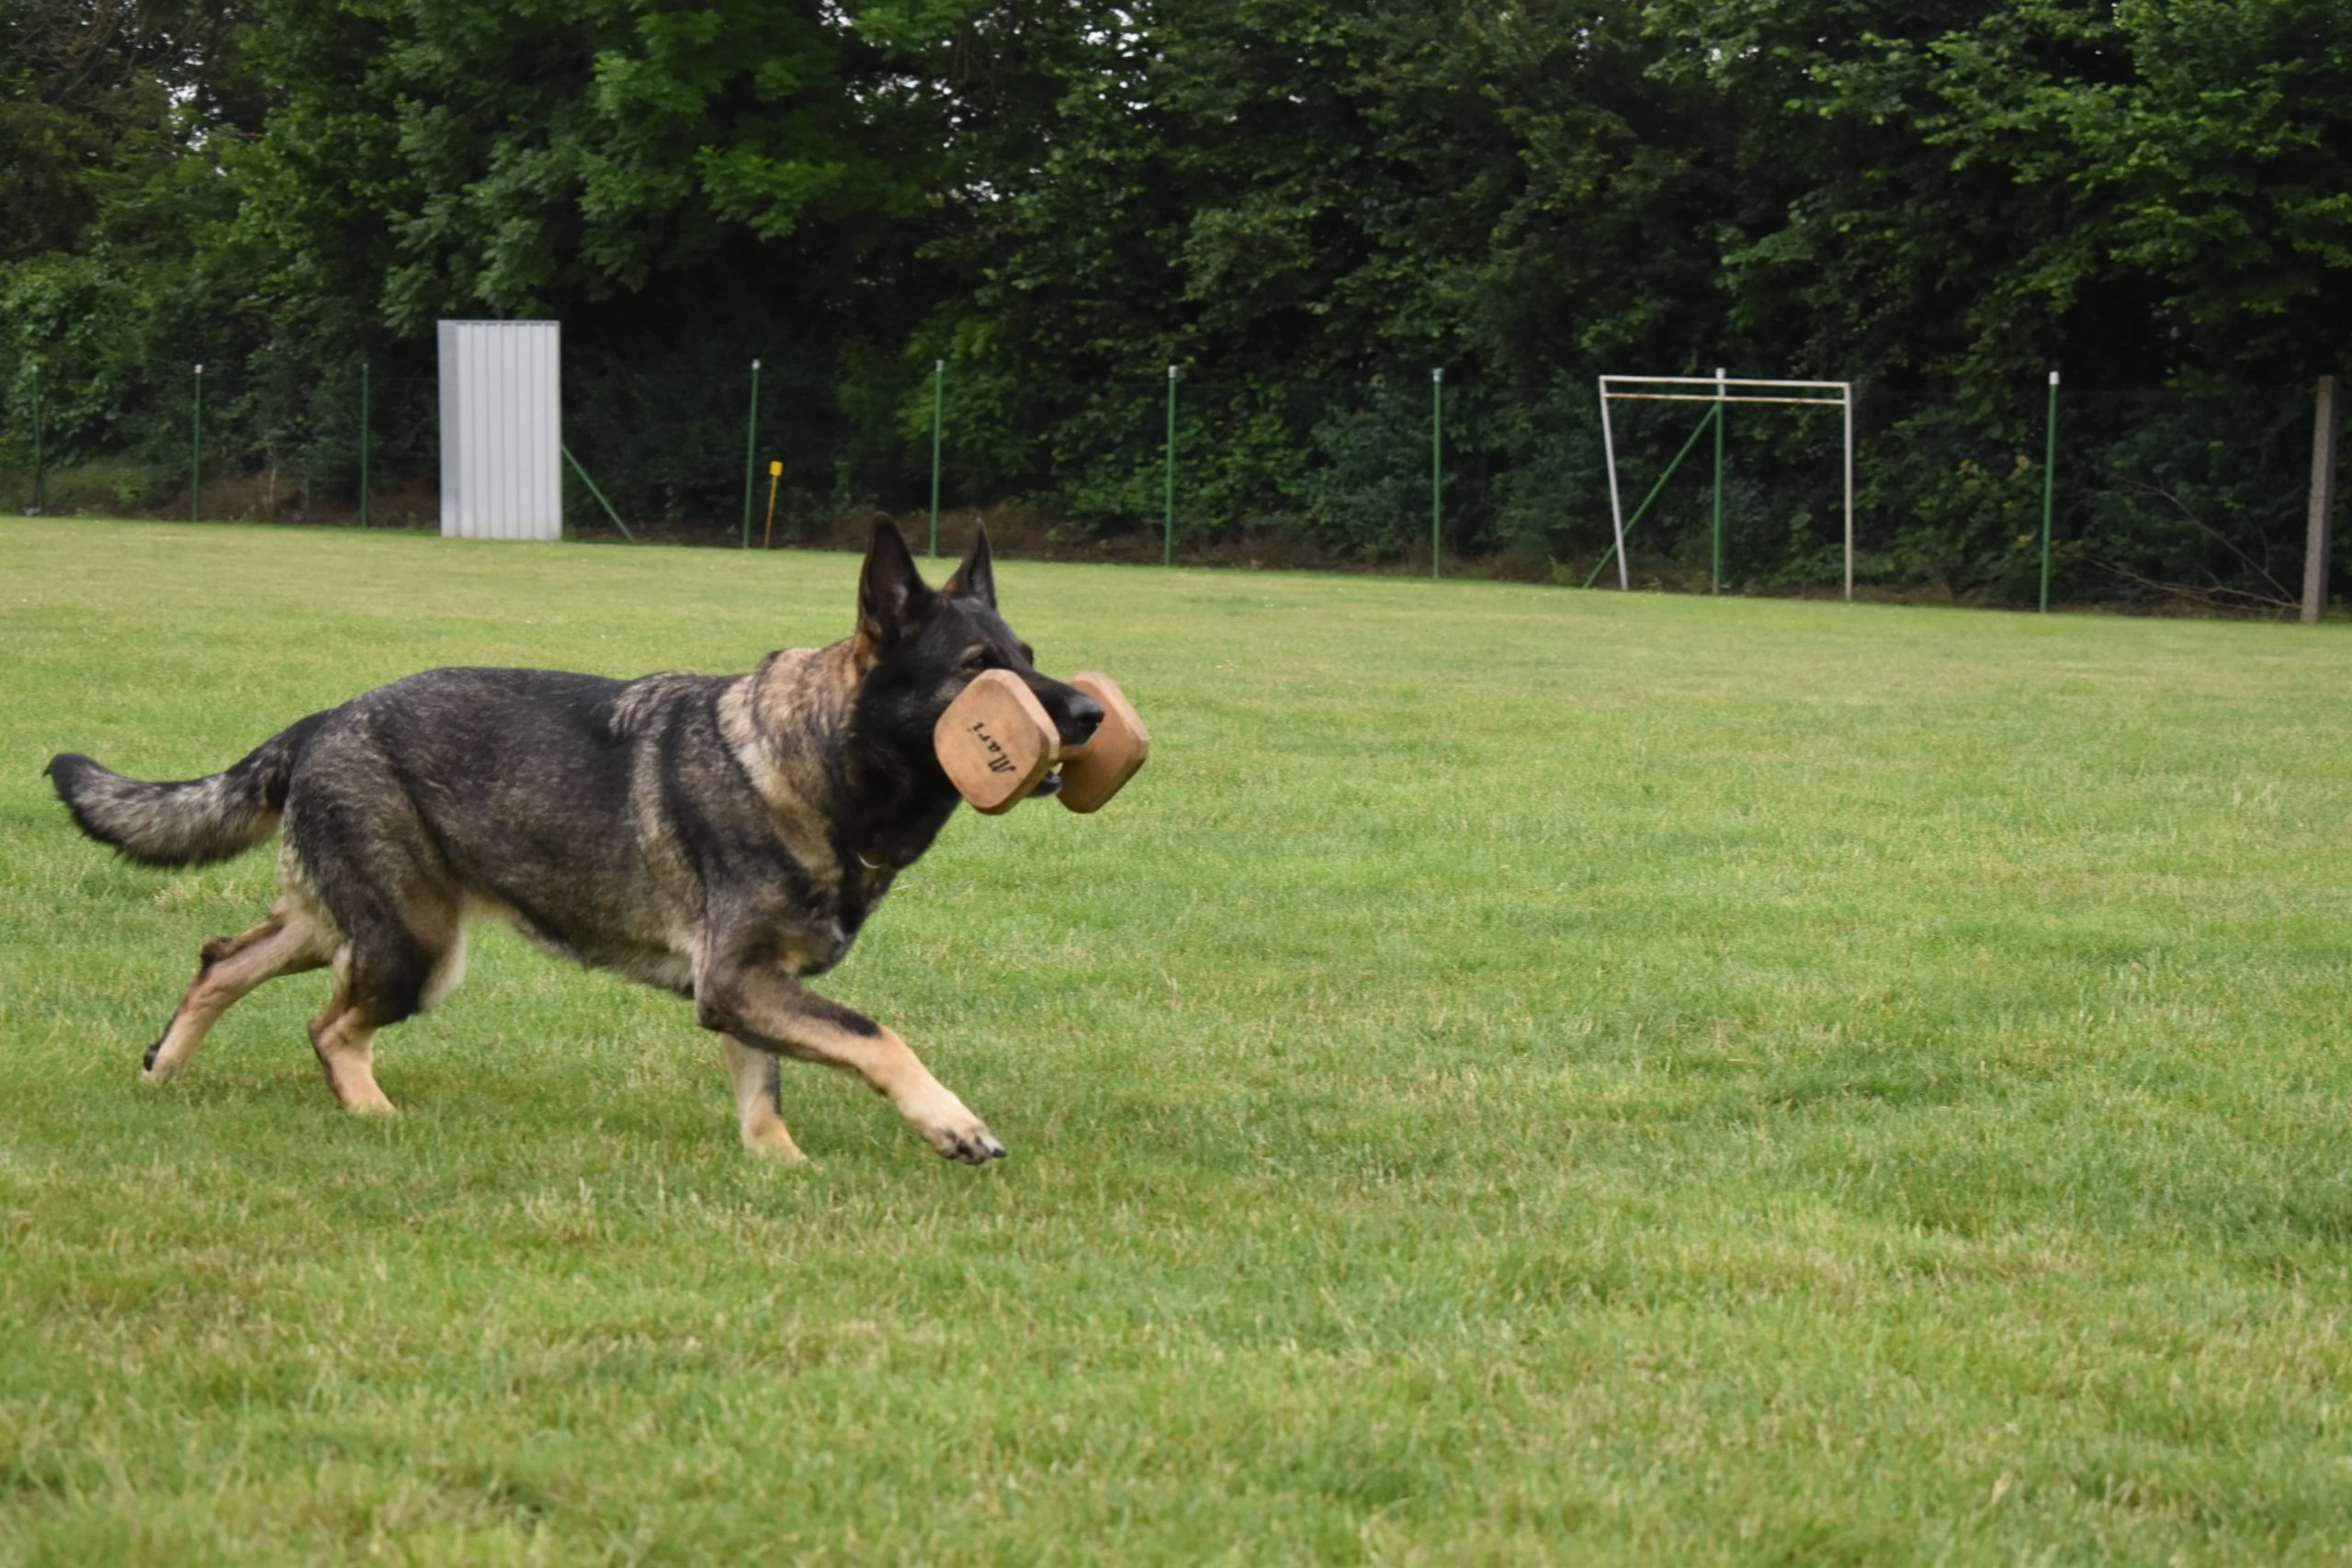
(2189, 495)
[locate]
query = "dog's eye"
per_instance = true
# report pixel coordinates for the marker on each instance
(976, 660)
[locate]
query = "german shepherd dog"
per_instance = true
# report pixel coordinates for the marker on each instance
(722, 837)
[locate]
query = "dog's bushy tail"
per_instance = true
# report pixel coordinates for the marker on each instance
(191, 823)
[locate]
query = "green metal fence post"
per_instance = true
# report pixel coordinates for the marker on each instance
(1168, 523)
(1436, 464)
(196, 454)
(2049, 489)
(599, 494)
(751, 451)
(41, 502)
(938, 405)
(1715, 570)
(363, 442)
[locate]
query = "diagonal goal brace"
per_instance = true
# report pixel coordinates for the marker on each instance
(1717, 393)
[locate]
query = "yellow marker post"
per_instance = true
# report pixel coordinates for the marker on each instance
(776, 472)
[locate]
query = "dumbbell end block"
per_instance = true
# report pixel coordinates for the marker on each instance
(1119, 746)
(995, 742)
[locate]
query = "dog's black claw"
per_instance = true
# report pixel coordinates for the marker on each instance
(147, 1062)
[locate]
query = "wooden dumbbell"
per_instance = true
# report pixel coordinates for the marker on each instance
(998, 745)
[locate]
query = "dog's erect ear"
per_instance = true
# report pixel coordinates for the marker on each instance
(891, 596)
(976, 578)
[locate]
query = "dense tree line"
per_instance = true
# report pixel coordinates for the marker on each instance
(1305, 206)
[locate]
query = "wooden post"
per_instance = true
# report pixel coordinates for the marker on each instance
(2324, 420)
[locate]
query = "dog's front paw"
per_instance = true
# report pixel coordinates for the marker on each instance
(154, 1068)
(974, 1146)
(949, 1126)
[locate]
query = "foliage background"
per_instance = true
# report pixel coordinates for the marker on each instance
(1305, 206)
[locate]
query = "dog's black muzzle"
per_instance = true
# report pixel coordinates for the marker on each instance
(1076, 717)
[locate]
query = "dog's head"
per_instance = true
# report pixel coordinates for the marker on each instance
(921, 646)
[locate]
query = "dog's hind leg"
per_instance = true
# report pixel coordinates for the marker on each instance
(289, 943)
(394, 971)
(759, 1107)
(401, 921)
(398, 975)
(345, 1039)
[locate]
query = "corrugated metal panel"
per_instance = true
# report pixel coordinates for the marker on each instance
(502, 430)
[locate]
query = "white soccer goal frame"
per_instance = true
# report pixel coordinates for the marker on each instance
(1719, 391)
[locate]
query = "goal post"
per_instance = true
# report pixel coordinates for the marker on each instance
(1716, 391)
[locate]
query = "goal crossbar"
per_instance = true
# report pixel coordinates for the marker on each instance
(1720, 393)
(1713, 398)
(1722, 381)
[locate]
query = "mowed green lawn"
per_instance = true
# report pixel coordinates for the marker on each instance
(1524, 1075)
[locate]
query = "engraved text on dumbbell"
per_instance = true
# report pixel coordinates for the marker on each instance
(998, 762)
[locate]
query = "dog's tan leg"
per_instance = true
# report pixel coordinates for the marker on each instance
(759, 1109)
(345, 1043)
(777, 1012)
(286, 943)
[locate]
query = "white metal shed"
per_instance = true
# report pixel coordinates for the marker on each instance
(502, 430)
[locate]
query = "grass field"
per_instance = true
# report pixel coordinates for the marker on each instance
(1525, 1075)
